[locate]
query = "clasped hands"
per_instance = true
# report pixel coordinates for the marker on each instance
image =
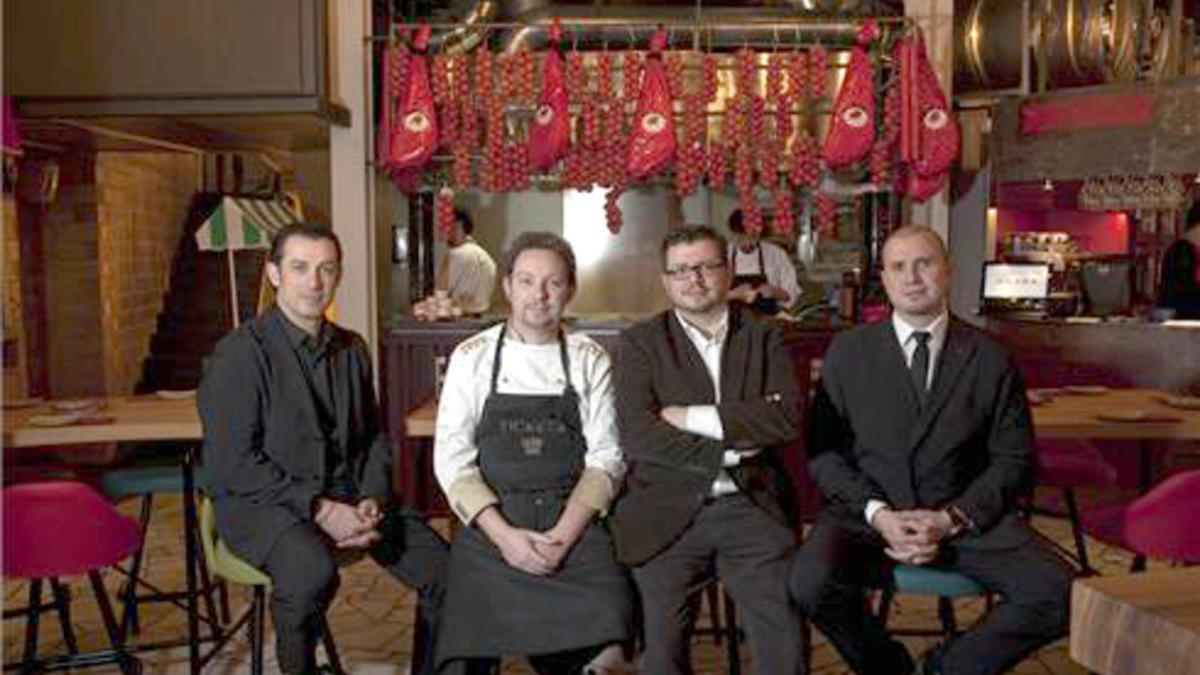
(914, 536)
(349, 525)
(537, 553)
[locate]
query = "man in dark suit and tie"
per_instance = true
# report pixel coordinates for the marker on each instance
(921, 443)
(705, 396)
(300, 464)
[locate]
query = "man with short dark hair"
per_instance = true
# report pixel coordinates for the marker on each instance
(921, 444)
(763, 274)
(300, 464)
(467, 272)
(706, 397)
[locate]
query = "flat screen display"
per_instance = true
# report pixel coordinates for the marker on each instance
(1016, 281)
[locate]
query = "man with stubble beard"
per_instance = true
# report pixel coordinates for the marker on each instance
(706, 394)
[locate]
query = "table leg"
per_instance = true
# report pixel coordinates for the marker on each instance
(1145, 480)
(190, 527)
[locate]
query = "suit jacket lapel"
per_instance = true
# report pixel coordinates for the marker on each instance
(733, 379)
(289, 363)
(892, 366)
(692, 368)
(955, 355)
(341, 388)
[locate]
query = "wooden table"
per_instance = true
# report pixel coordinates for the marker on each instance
(1138, 624)
(136, 418)
(421, 421)
(140, 418)
(1069, 415)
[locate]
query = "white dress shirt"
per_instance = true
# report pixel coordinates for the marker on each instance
(703, 420)
(779, 269)
(908, 343)
(524, 369)
(470, 276)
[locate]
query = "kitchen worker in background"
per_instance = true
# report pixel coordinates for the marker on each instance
(763, 275)
(467, 271)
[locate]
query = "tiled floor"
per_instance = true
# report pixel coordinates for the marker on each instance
(372, 616)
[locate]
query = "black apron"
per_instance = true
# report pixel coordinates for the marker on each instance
(768, 306)
(531, 450)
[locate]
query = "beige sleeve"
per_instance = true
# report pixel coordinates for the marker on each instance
(469, 495)
(595, 490)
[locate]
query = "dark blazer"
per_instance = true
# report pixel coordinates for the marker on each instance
(970, 445)
(263, 442)
(671, 472)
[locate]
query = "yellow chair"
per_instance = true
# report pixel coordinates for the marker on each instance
(225, 564)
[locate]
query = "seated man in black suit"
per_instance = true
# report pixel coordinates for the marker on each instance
(921, 443)
(300, 464)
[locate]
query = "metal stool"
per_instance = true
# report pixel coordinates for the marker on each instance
(227, 565)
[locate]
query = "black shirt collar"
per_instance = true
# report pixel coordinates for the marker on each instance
(301, 341)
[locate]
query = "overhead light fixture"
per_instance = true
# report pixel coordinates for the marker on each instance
(1047, 185)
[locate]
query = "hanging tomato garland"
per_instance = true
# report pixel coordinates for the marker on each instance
(593, 132)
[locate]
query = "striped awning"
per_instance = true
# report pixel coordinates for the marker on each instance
(244, 223)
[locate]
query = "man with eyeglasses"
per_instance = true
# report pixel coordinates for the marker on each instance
(705, 396)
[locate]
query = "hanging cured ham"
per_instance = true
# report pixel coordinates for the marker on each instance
(550, 133)
(852, 128)
(935, 131)
(414, 130)
(652, 143)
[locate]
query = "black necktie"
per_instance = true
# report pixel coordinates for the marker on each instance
(919, 370)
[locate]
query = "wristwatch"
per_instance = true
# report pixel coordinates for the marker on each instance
(958, 520)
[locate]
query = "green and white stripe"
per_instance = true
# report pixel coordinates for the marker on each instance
(243, 223)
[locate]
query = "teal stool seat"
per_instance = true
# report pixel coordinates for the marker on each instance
(931, 581)
(142, 481)
(146, 481)
(944, 585)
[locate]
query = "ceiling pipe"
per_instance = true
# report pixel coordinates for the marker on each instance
(720, 27)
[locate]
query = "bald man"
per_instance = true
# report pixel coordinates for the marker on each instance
(921, 443)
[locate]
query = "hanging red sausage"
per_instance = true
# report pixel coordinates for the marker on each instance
(652, 144)
(550, 133)
(852, 129)
(415, 134)
(936, 130)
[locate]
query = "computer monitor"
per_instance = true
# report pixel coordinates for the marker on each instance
(1015, 281)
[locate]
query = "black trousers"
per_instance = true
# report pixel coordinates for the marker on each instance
(304, 578)
(842, 556)
(746, 549)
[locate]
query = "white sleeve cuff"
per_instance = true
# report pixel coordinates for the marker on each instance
(873, 506)
(703, 420)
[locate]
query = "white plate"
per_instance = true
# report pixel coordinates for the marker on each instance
(1085, 389)
(175, 394)
(1136, 416)
(1181, 402)
(16, 403)
(53, 420)
(74, 404)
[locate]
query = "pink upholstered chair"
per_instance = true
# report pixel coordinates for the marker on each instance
(59, 528)
(1069, 465)
(1159, 524)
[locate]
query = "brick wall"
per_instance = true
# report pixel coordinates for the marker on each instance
(74, 338)
(14, 360)
(141, 202)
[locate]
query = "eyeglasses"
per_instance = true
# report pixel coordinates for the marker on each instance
(687, 271)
